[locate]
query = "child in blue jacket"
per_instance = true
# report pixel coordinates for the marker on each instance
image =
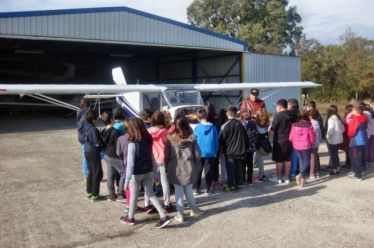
(207, 139)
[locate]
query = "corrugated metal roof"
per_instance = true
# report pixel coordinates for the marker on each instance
(112, 24)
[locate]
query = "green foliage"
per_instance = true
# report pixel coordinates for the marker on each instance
(346, 70)
(269, 26)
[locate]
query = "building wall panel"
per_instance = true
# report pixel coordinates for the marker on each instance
(119, 25)
(273, 68)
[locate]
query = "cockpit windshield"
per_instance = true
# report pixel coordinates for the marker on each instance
(182, 97)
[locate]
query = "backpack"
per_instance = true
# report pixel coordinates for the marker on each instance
(252, 134)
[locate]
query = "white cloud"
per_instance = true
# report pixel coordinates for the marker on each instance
(324, 20)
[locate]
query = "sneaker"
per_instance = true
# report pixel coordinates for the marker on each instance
(96, 198)
(228, 189)
(312, 177)
(262, 179)
(287, 181)
(121, 199)
(196, 192)
(197, 212)
(351, 173)
(88, 196)
(238, 188)
(179, 218)
(163, 222)
(126, 220)
(353, 177)
(279, 181)
(273, 179)
(207, 192)
(150, 209)
(112, 198)
(168, 208)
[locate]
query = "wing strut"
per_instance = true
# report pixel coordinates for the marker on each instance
(54, 101)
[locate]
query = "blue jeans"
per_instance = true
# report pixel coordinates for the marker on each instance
(180, 192)
(304, 160)
(84, 164)
(294, 163)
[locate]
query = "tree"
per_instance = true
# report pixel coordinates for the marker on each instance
(358, 55)
(268, 26)
(346, 70)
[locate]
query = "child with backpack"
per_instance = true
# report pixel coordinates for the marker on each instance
(92, 148)
(121, 150)
(357, 132)
(110, 137)
(182, 157)
(139, 171)
(251, 129)
(263, 144)
(159, 133)
(207, 140)
(233, 138)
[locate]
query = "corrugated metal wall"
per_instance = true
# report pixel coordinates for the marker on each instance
(116, 26)
(220, 70)
(215, 69)
(273, 68)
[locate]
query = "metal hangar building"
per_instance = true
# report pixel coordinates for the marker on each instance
(83, 45)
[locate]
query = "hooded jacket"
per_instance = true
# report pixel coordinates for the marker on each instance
(233, 137)
(302, 135)
(82, 127)
(357, 130)
(92, 137)
(206, 135)
(182, 160)
(122, 145)
(335, 130)
(110, 138)
(158, 145)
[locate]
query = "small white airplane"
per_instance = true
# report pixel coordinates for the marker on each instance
(171, 97)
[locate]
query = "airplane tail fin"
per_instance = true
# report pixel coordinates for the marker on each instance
(124, 100)
(118, 76)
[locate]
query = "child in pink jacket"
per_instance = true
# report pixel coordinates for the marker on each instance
(159, 132)
(302, 137)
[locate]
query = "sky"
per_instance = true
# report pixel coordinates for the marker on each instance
(324, 20)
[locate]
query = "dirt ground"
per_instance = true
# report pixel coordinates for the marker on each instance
(43, 203)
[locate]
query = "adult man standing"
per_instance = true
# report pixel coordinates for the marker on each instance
(253, 102)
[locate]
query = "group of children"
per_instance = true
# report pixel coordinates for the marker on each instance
(193, 155)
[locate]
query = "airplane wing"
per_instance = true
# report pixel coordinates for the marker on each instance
(261, 85)
(66, 89)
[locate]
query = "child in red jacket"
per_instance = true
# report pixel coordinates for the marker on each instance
(358, 140)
